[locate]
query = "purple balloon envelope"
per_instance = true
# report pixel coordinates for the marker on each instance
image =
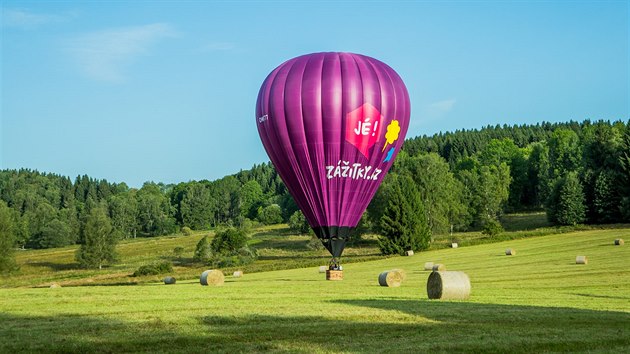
(332, 124)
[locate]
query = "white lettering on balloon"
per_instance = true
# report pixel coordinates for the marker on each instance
(263, 118)
(364, 129)
(343, 169)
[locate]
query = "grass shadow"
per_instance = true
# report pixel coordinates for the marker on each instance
(405, 326)
(511, 328)
(55, 266)
(282, 243)
(118, 283)
(604, 296)
(302, 257)
(524, 221)
(179, 261)
(285, 231)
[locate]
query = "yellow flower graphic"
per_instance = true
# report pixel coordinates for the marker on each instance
(393, 129)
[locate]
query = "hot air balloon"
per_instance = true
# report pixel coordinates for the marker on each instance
(332, 124)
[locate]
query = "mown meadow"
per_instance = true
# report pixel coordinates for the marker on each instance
(536, 301)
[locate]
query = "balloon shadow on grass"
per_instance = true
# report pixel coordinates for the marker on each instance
(371, 325)
(473, 327)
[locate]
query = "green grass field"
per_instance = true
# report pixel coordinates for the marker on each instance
(536, 301)
(277, 248)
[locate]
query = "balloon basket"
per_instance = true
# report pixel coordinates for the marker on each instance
(334, 274)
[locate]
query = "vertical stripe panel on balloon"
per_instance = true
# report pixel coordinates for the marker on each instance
(296, 141)
(332, 113)
(275, 111)
(388, 113)
(279, 134)
(371, 122)
(265, 130)
(352, 99)
(312, 114)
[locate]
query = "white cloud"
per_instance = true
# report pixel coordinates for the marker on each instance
(24, 19)
(441, 107)
(430, 116)
(104, 55)
(218, 46)
(437, 110)
(430, 113)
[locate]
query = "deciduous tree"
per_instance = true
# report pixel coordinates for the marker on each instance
(196, 207)
(155, 214)
(271, 214)
(440, 191)
(7, 240)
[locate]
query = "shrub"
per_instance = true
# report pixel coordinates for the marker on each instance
(242, 256)
(229, 248)
(246, 224)
(270, 215)
(178, 251)
(492, 228)
(202, 251)
(187, 231)
(228, 241)
(154, 269)
(314, 243)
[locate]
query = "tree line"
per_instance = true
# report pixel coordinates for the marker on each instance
(49, 210)
(538, 164)
(578, 172)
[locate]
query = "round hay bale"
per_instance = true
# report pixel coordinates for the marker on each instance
(619, 242)
(55, 286)
(454, 245)
(390, 278)
(428, 266)
(439, 267)
(581, 260)
(212, 277)
(323, 269)
(169, 280)
(448, 285)
(402, 273)
(409, 253)
(510, 252)
(237, 274)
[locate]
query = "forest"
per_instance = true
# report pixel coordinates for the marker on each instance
(577, 172)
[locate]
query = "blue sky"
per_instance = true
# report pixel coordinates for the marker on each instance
(164, 91)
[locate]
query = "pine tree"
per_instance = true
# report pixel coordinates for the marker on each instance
(606, 201)
(538, 174)
(404, 223)
(99, 245)
(568, 201)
